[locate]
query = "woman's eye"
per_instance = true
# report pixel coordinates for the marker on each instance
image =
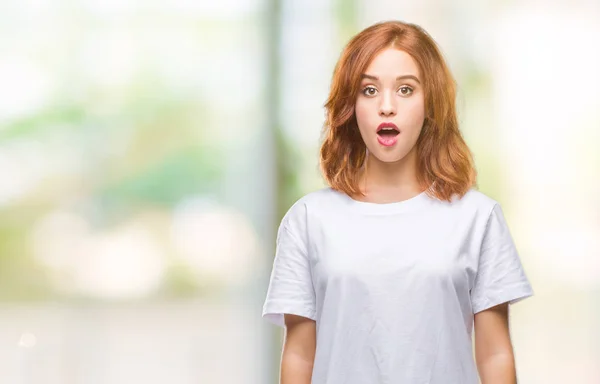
(369, 91)
(405, 90)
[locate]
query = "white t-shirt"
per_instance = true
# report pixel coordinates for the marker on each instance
(393, 287)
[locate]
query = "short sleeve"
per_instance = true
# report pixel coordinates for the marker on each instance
(290, 287)
(500, 275)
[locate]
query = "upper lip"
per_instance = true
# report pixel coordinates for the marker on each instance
(387, 125)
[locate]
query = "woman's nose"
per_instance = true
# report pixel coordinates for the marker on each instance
(387, 107)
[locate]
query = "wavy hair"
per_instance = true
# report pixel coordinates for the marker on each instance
(445, 163)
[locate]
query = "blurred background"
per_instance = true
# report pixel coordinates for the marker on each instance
(148, 150)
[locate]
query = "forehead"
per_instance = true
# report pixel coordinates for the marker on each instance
(392, 62)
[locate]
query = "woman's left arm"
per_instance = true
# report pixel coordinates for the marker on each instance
(493, 347)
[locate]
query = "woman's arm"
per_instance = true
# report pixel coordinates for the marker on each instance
(493, 348)
(298, 353)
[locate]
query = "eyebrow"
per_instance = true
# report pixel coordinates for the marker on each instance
(365, 76)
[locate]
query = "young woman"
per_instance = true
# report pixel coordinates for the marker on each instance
(381, 277)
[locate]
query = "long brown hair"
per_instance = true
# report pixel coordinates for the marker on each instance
(445, 163)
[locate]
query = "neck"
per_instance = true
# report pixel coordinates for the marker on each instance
(398, 178)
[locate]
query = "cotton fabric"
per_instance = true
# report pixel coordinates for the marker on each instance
(393, 288)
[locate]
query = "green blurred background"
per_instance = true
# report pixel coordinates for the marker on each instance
(148, 150)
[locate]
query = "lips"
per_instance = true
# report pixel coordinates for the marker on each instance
(388, 129)
(387, 134)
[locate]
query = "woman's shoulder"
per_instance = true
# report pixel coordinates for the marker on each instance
(296, 217)
(322, 199)
(477, 200)
(319, 198)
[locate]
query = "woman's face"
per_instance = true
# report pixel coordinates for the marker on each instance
(390, 108)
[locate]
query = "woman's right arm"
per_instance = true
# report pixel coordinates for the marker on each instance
(298, 353)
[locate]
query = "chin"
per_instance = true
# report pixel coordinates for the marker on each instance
(387, 157)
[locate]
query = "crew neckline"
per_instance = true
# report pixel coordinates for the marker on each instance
(385, 208)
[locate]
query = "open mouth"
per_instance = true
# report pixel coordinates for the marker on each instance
(388, 133)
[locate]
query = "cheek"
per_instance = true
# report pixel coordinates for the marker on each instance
(414, 114)
(363, 114)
